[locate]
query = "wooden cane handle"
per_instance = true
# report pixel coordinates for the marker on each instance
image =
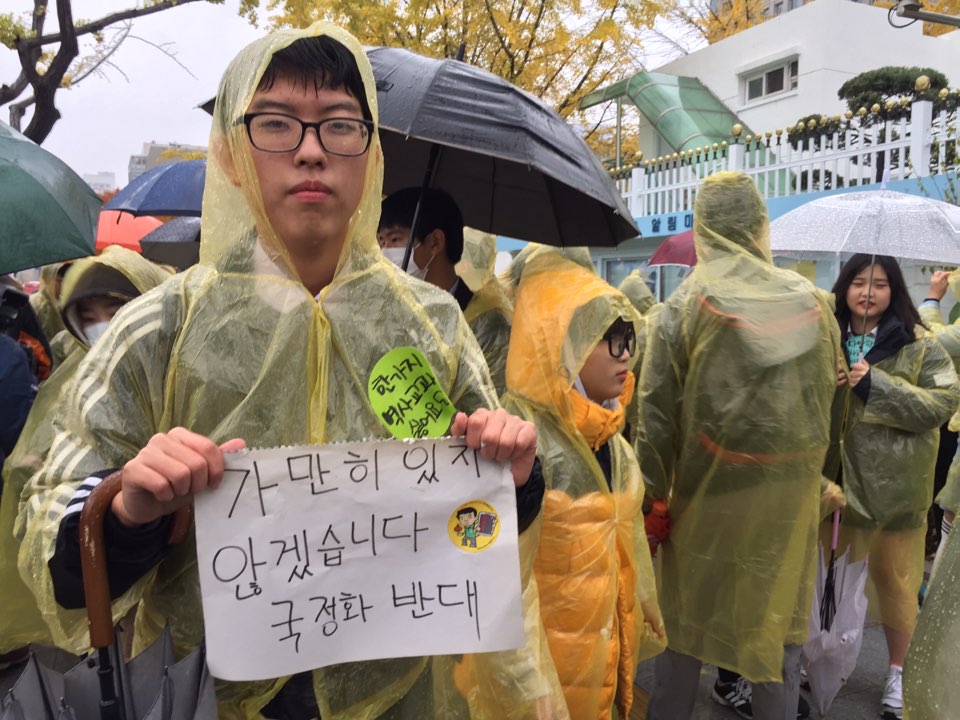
(93, 560)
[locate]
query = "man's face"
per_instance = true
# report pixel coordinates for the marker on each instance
(467, 519)
(394, 236)
(309, 195)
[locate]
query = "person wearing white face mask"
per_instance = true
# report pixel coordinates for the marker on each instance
(94, 290)
(438, 246)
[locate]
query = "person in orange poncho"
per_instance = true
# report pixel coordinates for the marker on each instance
(568, 372)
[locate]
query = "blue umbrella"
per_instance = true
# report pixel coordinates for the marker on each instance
(171, 189)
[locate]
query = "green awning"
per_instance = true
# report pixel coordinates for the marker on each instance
(681, 109)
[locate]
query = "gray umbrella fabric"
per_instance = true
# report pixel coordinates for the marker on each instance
(176, 242)
(512, 164)
(878, 222)
(152, 686)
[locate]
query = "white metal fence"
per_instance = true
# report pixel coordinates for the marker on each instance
(832, 153)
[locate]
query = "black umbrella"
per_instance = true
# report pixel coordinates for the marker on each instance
(512, 164)
(176, 242)
(102, 687)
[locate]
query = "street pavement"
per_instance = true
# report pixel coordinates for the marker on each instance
(859, 699)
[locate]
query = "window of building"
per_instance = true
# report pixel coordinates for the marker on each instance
(778, 8)
(771, 81)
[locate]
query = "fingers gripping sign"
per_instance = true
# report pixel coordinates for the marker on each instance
(502, 437)
(167, 473)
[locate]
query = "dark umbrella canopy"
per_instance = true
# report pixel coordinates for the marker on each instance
(176, 242)
(172, 189)
(513, 165)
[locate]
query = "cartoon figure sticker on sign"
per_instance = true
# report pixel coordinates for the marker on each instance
(474, 526)
(407, 397)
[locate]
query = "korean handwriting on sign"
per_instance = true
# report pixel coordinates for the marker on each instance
(397, 373)
(406, 395)
(445, 595)
(331, 610)
(232, 561)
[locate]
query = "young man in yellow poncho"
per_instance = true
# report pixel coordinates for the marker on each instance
(270, 340)
(568, 370)
(91, 293)
(735, 398)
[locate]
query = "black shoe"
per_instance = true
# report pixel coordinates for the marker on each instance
(737, 695)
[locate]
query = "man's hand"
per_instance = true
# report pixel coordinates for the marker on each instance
(857, 371)
(939, 284)
(502, 437)
(167, 473)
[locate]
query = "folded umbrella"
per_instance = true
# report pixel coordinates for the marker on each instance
(47, 212)
(102, 687)
(836, 624)
(172, 189)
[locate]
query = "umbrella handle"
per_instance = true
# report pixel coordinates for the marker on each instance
(836, 530)
(93, 561)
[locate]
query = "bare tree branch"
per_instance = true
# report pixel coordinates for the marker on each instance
(165, 49)
(102, 23)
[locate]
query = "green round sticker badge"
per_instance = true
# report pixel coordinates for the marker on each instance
(406, 396)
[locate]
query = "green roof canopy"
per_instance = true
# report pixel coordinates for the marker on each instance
(681, 109)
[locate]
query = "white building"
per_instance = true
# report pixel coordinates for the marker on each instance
(101, 181)
(792, 65)
(151, 156)
(766, 77)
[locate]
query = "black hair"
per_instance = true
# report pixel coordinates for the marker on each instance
(319, 61)
(438, 211)
(900, 303)
(464, 511)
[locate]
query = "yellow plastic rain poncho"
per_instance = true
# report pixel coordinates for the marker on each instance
(511, 277)
(735, 393)
(930, 687)
(47, 309)
(949, 337)
(238, 347)
(888, 453)
(593, 569)
(645, 306)
(490, 311)
(20, 621)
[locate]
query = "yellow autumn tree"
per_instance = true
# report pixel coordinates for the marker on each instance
(559, 50)
(176, 154)
(731, 17)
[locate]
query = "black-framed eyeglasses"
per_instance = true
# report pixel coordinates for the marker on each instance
(278, 132)
(620, 338)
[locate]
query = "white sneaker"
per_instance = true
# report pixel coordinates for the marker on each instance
(893, 695)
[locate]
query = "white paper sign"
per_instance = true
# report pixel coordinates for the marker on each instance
(317, 555)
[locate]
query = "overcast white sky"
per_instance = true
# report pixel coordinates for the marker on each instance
(106, 120)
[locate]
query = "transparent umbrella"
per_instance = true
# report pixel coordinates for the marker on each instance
(877, 222)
